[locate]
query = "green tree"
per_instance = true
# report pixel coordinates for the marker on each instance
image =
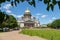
(11, 22)
(56, 24)
(7, 21)
(49, 3)
(3, 17)
(49, 25)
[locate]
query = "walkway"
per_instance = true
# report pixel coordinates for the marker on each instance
(14, 35)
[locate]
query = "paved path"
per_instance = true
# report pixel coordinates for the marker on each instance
(14, 35)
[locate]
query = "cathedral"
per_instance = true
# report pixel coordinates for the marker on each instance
(27, 20)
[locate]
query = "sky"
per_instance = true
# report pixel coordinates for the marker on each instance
(39, 11)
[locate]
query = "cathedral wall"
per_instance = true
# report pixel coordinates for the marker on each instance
(32, 22)
(21, 24)
(37, 25)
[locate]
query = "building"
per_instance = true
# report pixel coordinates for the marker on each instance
(43, 25)
(27, 20)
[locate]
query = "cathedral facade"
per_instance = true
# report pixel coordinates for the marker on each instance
(27, 20)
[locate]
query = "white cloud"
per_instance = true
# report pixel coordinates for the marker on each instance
(8, 11)
(16, 16)
(36, 17)
(53, 18)
(43, 16)
(19, 16)
(7, 6)
(50, 20)
(12, 14)
(38, 14)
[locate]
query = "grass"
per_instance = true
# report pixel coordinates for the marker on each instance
(49, 34)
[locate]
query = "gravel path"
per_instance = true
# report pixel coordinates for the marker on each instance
(14, 35)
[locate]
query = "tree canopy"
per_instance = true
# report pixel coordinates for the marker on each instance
(49, 3)
(56, 23)
(8, 21)
(11, 22)
(3, 17)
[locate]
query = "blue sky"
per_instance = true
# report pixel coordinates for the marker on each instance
(39, 11)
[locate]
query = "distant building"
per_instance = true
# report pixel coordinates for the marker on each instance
(43, 25)
(28, 20)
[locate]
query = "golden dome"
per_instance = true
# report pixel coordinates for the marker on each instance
(27, 10)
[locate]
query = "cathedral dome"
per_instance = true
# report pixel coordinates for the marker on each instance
(27, 11)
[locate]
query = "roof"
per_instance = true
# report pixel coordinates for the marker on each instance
(27, 10)
(29, 21)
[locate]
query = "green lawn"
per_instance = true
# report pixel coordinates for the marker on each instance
(44, 33)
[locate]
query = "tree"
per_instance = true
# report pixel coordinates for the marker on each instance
(11, 22)
(49, 3)
(8, 21)
(56, 24)
(3, 17)
(49, 25)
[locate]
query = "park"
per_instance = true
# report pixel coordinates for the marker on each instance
(30, 20)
